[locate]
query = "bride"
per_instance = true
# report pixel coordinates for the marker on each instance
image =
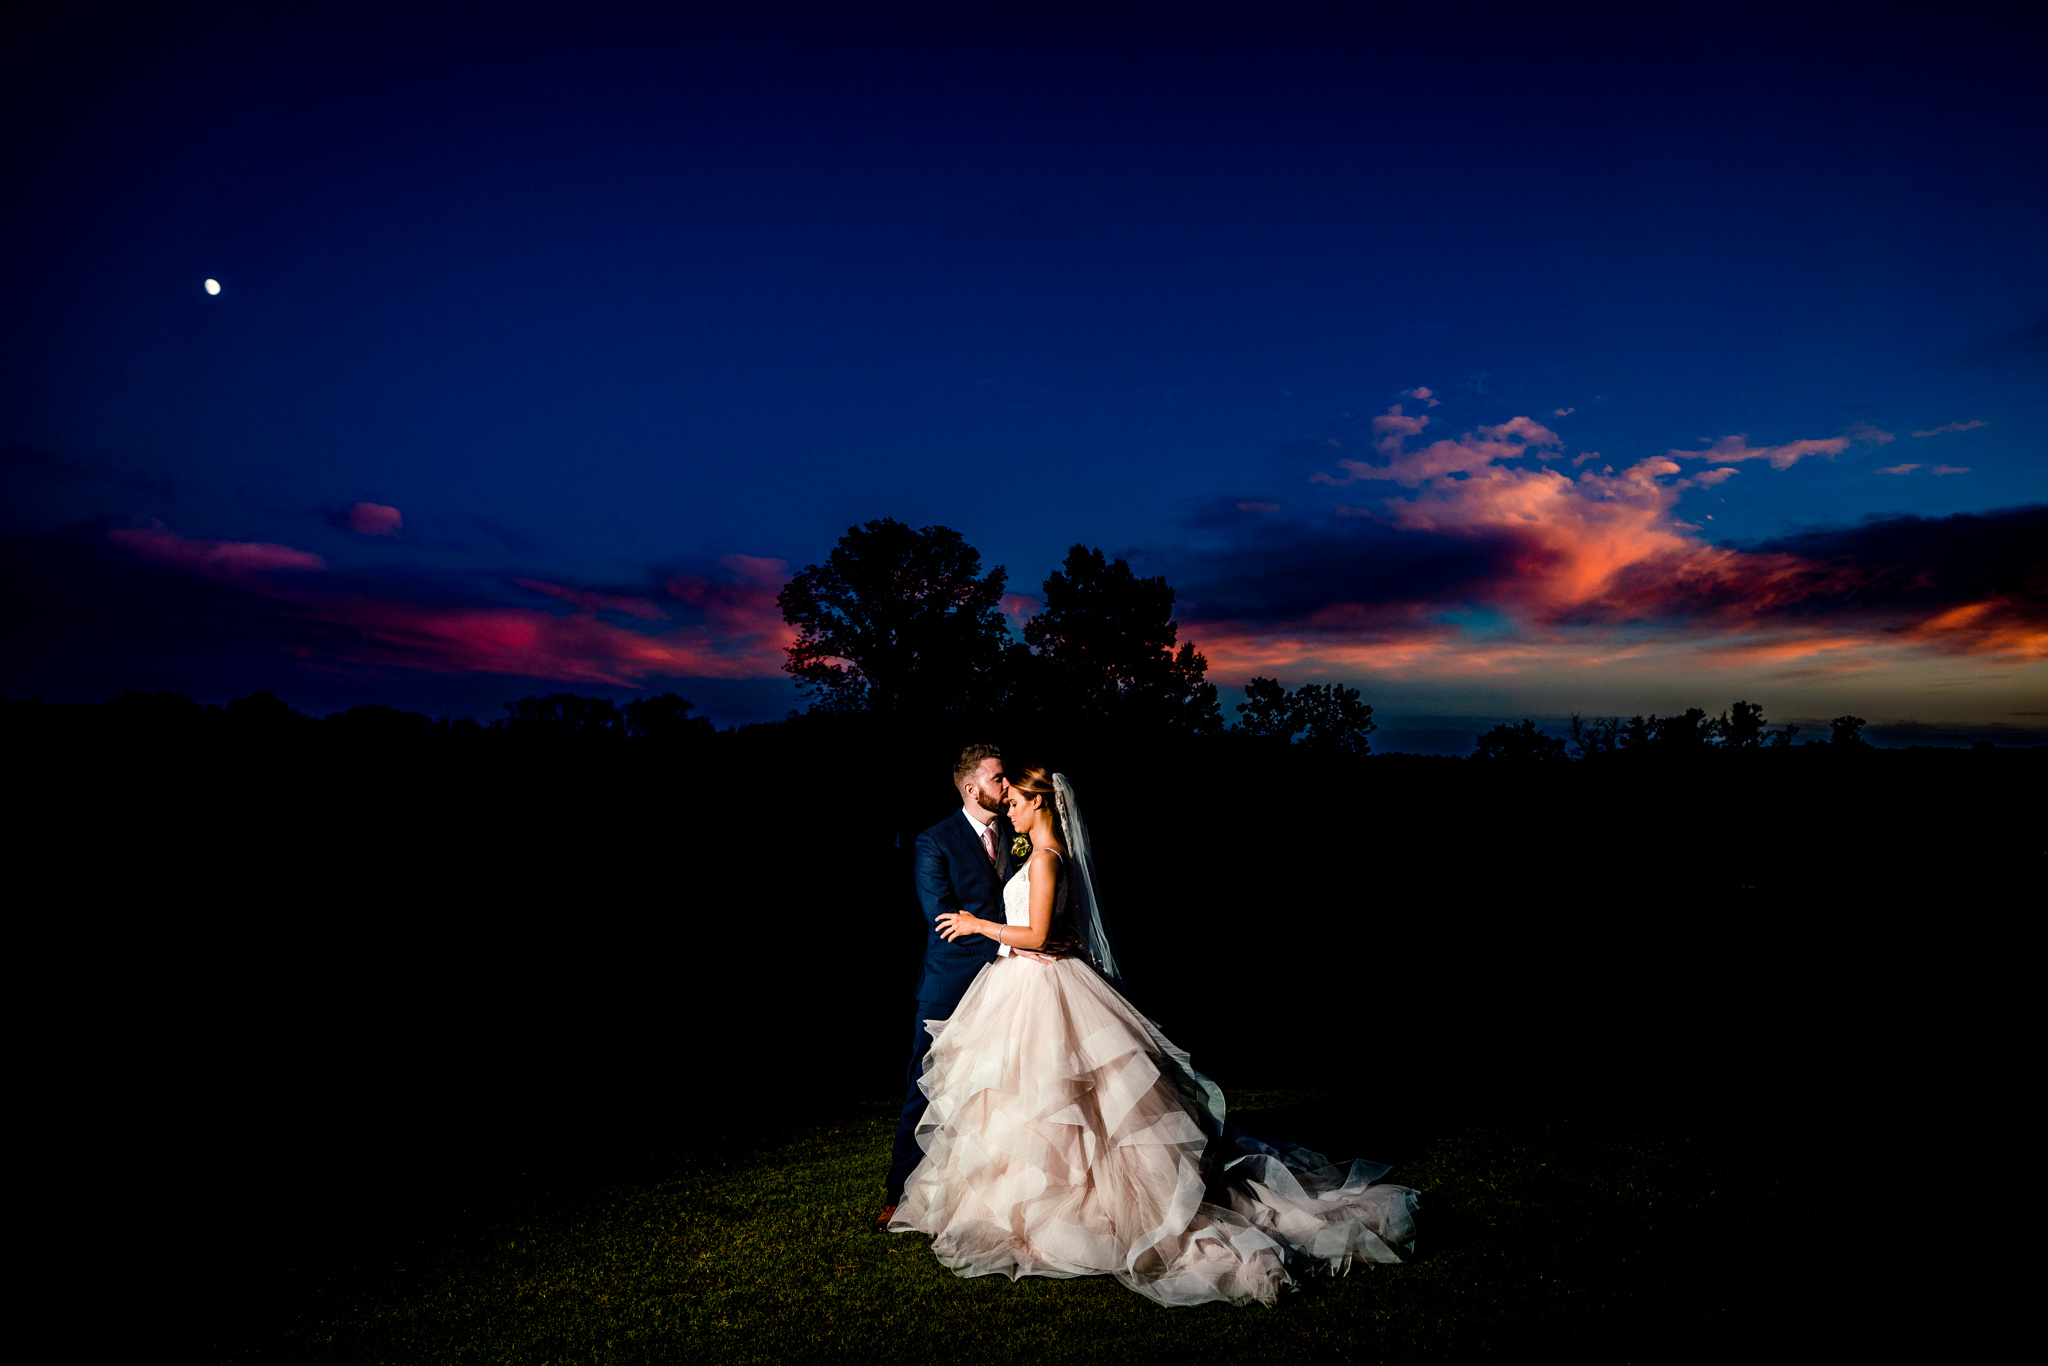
(1066, 1136)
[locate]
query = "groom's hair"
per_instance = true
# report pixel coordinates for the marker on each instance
(970, 760)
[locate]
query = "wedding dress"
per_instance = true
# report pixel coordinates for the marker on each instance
(1066, 1136)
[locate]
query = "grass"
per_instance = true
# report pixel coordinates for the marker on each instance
(1557, 1237)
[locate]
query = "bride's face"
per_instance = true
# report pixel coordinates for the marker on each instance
(1024, 811)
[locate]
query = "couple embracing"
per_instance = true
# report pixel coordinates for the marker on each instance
(1050, 1129)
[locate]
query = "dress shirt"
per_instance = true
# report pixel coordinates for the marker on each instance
(985, 820)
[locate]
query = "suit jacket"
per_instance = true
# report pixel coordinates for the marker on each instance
(953, 874)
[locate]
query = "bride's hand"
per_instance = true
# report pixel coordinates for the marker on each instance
(957, 925)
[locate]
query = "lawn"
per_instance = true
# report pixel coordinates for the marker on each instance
(1553, 1236)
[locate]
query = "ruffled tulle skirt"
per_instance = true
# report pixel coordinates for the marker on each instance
(1067, 1137)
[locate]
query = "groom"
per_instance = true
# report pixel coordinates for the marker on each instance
(962, 864)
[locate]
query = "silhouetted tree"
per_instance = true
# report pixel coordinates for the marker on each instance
(1690, 732)
(1106, 648)
(1334, 720)
(1846, 730)
(897, 621)
(374, 723)
(1328, 718)
(1519, 743)
(665, 719)
(263, 721)
(1598, 736)
(1267, 712)
(1742, 726)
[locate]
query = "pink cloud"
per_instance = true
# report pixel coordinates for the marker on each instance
(1421, 395)
(375, 519)
(1900, 469)
(1562, 412)
(231, 560)
(1358, 469)
(745, 611)
(1597, 572)
(1413, 469)
(1736, 448)
(579, 648)
(1020, 608)
(1573, 560)
(741, 634)
(1951, 469)
(598, 602)
(1393, 424)
(753, 569)
(1707, 479)
(1971, 425)
(1522, 429)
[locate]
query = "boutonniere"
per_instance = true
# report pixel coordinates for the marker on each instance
(1020, 847)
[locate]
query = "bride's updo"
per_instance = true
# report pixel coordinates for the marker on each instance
(1037, 782)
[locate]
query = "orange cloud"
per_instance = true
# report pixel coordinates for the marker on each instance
(1595, 566)
(2003, 624)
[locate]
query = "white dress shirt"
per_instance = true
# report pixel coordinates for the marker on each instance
(983, 820)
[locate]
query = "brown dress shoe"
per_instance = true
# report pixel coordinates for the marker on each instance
(881, 1224)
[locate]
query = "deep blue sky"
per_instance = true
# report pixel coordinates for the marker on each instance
(596, 301)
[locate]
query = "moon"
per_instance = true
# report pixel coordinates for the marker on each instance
(213, 286)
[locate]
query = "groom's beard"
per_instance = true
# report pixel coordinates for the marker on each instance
(981, 799)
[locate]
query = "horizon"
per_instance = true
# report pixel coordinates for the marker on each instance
(1498, 368)
(1419, 736)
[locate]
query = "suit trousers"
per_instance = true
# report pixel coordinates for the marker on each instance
(907, 1154)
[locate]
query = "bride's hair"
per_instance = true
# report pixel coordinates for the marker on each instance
(1037, 782)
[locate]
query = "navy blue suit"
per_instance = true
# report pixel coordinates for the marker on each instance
(953, 874)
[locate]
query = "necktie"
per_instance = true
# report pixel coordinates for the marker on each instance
(988, 840)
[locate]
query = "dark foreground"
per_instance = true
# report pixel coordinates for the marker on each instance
(1569, 1238)
(350, 1044)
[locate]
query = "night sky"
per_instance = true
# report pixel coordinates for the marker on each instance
(1496, 366)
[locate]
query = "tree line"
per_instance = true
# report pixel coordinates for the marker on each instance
(899, 621)
(905, 627)
(1741, 728)
(902, 622)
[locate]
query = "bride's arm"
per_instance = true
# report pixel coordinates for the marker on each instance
(1045, 875)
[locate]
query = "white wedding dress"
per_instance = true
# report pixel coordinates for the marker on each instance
(1067, 1137)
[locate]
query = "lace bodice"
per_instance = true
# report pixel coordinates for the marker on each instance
(1017, 898)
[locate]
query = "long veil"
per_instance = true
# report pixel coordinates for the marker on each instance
(1083, 900)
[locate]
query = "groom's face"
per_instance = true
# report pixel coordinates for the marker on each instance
(988, 787)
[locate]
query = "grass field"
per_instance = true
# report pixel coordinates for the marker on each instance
(1589, 1241)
